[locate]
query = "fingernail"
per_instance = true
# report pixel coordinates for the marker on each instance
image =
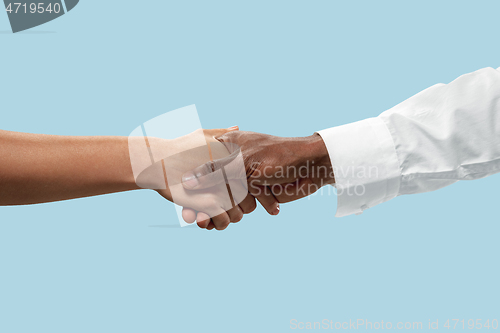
(189, 180)
(233, 128)
(276, 210)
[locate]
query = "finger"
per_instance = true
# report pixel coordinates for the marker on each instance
(235, 214)
(188, 215)
(210, 226)
(221, 221)
(266, 198)
(202, 219)
(248, 204)
(210, 174)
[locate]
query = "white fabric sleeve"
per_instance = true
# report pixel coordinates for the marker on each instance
(446, 133)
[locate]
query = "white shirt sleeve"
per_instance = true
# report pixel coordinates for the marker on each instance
(446, 133)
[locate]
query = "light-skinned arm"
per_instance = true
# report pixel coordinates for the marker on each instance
(38, 168)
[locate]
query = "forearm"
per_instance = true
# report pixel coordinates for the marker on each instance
(37, 168)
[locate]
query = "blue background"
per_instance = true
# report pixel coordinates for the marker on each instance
(287, 68)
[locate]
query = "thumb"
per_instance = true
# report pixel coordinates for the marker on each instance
(215, 172)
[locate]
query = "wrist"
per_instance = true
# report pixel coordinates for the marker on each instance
(120, 169)
(317, 159)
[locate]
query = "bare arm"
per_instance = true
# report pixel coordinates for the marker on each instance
(36, 168)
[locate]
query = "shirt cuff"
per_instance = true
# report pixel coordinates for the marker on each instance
(365, 164)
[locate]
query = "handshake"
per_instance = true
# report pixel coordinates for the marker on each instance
(218, 175)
